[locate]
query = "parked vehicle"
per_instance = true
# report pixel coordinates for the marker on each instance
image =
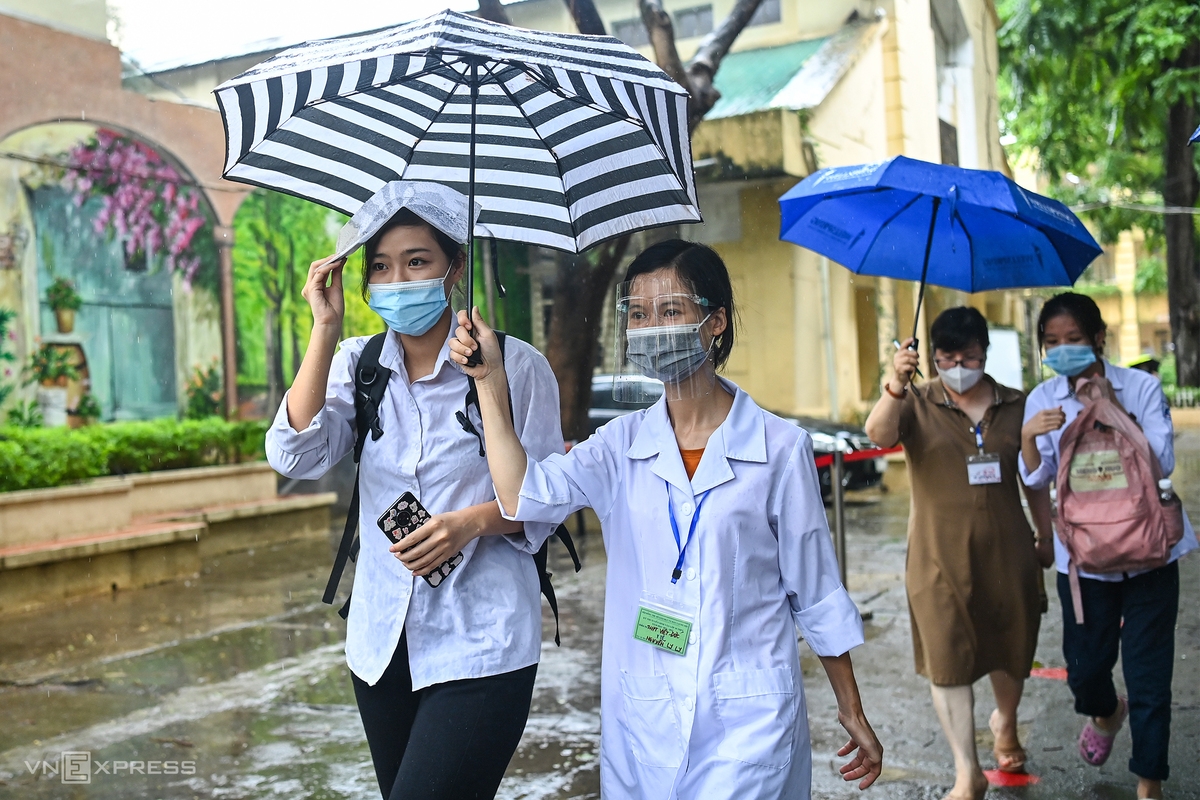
(825, 433)
(604, 407)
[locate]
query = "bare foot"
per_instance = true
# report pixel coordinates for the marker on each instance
(1150, 789)
(1112, 723)
(1010, 756)
(973, 789)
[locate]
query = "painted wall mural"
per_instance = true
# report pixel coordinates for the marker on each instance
(276, 238)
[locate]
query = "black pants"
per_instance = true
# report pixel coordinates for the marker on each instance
(1137, 617)
(449, 741)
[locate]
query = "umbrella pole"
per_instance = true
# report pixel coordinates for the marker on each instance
(471, 194)
(937, 201)
(477, 357)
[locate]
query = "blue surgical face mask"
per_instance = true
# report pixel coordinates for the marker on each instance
(410, 307)
(1070, 359)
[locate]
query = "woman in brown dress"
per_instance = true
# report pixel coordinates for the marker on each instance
(974, 585)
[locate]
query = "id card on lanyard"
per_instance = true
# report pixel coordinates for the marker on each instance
(663, 622)
(982, 468)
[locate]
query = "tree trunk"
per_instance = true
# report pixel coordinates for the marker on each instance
(1180, 188)
(580, 289)
(273, 347)
(273, 288)
(492, 10)
(581, 284)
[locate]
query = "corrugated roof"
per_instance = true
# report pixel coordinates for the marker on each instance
(795, 76)
(749, 80)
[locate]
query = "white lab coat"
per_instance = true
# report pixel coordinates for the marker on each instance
(728, 718)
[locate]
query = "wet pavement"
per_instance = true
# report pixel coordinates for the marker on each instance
(233, 685)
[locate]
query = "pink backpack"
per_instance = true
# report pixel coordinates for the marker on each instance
(1110, 516)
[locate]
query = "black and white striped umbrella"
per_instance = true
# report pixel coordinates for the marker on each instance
(563, 140)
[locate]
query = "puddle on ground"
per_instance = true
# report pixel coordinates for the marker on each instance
(239, 672)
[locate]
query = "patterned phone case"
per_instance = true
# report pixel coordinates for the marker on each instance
(405, 516)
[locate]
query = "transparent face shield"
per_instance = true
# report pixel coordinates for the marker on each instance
(664, 341)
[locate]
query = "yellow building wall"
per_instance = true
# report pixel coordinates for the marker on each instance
(779, 358)
(983, 22)
(850, 126)
(761, 270)
(912, 118)
(754, 142)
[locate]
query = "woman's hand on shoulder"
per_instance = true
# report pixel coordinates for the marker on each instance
(464, 345)
(323, 291)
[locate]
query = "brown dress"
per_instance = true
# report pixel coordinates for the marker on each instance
(974, 586)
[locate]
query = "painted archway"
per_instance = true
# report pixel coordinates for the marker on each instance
(144, 327)
(52, 76)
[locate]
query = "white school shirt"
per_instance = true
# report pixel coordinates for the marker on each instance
(486, 618)
(728, 718)
(1139, 393)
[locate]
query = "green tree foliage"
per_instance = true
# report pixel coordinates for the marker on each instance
(277, 237)
(1108, 90)
(1151, 276)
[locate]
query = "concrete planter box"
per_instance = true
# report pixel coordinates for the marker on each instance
(138, 530)
(64, 512)
(174, 490)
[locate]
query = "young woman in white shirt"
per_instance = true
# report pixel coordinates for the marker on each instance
(1133, 613)
(718, 549)
(443, 675)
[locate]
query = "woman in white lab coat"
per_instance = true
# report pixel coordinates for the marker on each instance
(718, 549)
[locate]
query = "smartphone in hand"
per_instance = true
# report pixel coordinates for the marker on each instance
(402, 518)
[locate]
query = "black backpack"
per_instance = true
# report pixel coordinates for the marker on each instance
(370, 384)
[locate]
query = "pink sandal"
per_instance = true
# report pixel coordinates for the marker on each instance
(1095, 745)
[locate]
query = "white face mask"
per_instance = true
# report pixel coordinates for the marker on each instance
(959, 379)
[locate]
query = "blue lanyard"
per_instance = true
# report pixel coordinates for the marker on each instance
(678, 571)
(979, 436)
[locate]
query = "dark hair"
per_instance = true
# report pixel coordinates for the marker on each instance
(956, 329)
(1078, 307)
(405, 218)
(705, 275)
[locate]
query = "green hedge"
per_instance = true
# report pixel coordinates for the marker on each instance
(35, 458)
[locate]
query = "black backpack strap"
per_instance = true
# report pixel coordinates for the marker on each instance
(370, 384)
(544, 575)
(472, 399)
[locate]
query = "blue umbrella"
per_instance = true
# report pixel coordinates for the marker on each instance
(1195, 137)
(964, 229)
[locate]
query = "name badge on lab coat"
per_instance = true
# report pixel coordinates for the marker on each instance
(664, 624)
(983, 469)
